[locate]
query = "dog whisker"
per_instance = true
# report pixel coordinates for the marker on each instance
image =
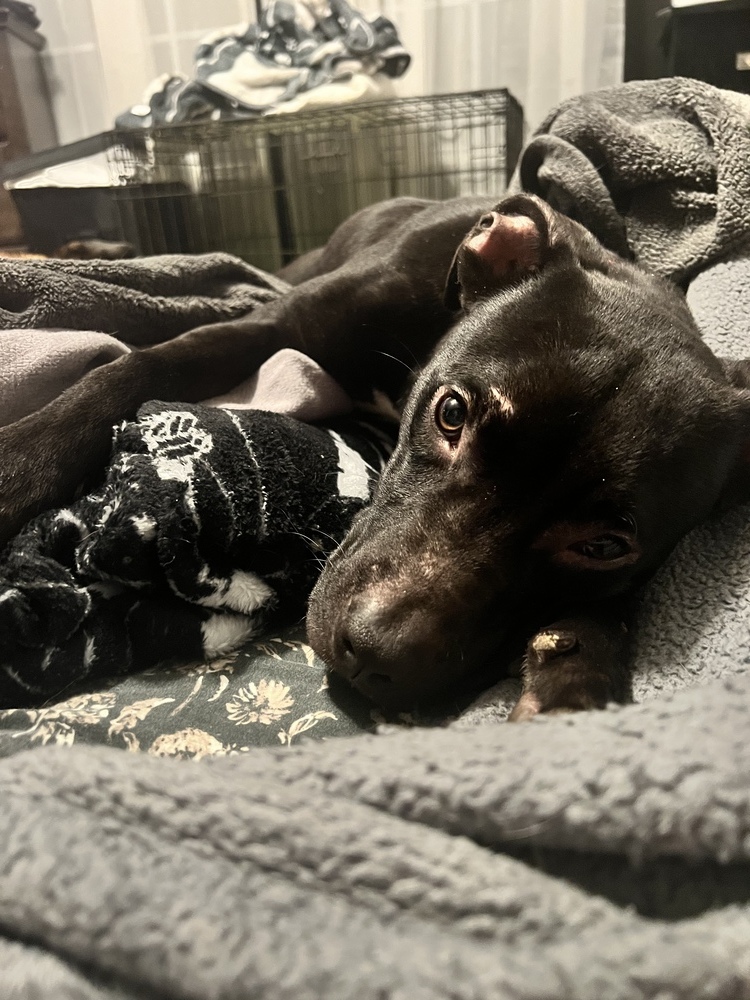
(399, 361)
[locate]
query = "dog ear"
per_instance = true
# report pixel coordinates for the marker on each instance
(501, 249)
(452, 290)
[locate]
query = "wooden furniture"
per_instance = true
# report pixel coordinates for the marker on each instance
(27, 124)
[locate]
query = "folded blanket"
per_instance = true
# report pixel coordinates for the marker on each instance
(656, 169)
(140, 301)
(397, 866)
(298, 55)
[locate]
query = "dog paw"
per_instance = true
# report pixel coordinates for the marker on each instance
(527, 706)
(563, 672)
(550, 645)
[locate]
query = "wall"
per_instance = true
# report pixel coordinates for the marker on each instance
(102, 53)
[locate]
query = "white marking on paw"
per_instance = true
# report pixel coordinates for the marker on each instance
(545, 641)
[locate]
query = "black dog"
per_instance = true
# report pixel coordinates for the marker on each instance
(567, 427)
(568, 430)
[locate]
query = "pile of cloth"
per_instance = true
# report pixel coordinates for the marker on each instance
(298, 56)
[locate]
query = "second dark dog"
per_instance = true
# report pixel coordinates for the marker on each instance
(566, 427)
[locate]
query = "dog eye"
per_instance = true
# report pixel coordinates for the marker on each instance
(605, 547)
(450, 415)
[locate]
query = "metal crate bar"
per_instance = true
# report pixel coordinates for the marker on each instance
(268, 189)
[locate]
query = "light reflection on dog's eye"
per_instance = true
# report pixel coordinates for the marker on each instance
(450, 415)
(605, 547)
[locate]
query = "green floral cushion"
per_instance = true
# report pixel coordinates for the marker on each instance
(272, 692)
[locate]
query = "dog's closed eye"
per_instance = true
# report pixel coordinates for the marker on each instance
(592, 545)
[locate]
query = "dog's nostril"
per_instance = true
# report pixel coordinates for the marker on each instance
(379, 679)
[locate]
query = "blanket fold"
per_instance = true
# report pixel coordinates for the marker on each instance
(656, 169)
(141, 301)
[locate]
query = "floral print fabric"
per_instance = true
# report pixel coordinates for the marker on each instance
(271, 692)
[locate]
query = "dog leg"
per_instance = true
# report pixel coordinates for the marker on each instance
(47, 456)
(576, 664)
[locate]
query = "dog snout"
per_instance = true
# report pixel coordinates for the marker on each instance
(384, 653)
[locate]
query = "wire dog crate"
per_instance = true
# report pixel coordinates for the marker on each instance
(268, 189)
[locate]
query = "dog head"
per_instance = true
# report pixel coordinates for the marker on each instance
(567, 431)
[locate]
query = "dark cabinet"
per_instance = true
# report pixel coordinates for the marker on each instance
(711, 42)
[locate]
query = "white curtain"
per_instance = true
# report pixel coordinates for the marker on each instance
(541, 50)
(102, 53)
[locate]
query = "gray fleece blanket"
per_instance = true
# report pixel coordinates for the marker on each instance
(141, 301)
(603, 855)
(657, 170)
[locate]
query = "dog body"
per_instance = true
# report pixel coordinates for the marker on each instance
(565, 428)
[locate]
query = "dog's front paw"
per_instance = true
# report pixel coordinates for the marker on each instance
(565, 670)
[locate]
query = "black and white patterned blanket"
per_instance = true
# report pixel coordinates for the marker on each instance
(209, 522)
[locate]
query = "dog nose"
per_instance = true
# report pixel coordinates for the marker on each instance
(365, 654)
(397, 652)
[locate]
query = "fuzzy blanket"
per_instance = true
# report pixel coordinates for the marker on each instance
(59, 319)
(141, 301)
(656, 169)
(606, 855)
